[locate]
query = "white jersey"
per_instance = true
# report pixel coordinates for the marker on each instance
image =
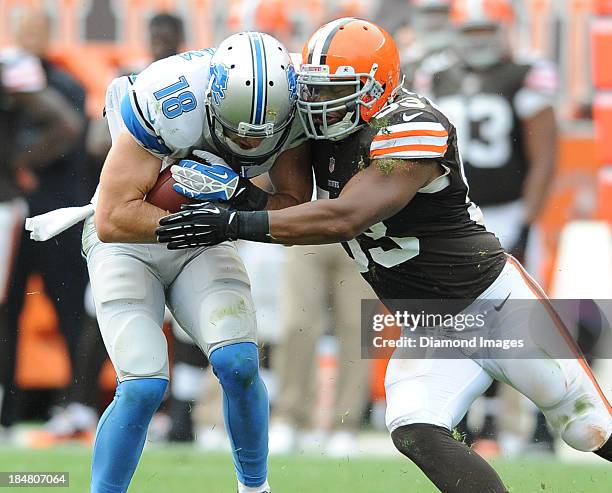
(164, 109)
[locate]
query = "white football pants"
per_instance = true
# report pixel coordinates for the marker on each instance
(207, 291)
(440, 391)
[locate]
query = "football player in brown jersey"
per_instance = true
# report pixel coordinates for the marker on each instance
(398, 199)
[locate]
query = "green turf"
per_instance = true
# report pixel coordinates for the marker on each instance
(182, 470)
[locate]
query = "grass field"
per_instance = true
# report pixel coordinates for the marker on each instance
(182, 470)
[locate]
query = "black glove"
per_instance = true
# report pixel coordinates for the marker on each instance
(208, 224)
(520, 245)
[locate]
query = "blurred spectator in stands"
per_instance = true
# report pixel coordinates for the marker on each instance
(285, 20)
(322, 291)
(503, 109)
(57, 184)
(166, 36)
(23, 94)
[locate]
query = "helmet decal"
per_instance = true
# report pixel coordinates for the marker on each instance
(219, 78)
(292, 82)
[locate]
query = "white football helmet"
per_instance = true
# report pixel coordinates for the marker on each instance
(251, 97)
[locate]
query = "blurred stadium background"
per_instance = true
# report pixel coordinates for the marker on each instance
(95, 40)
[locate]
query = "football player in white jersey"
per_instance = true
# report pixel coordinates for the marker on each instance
(235, 104)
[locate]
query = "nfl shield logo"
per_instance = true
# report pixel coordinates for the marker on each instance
(332, 164)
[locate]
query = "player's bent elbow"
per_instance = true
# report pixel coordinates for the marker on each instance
(106, 231)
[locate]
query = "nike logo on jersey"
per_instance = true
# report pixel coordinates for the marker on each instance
(408, 118)
(501, 305)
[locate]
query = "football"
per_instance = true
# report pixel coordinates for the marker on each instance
(162, 194)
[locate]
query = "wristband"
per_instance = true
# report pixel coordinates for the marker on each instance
(253, 226)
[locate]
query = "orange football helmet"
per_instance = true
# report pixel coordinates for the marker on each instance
(350, 68)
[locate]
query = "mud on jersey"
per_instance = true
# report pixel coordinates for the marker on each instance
(487, 107)
(436, 247)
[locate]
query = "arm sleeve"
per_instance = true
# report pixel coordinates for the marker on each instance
(416, 136)
(141, 129)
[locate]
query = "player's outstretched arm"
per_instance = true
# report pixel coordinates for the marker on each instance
(371, 196)
(129, 172)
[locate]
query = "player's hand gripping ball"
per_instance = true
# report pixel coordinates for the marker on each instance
(162, 194)
(208, 178)
(185, 183)
(205, 177)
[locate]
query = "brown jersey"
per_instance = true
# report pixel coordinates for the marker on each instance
(488, 108)
(436, 247)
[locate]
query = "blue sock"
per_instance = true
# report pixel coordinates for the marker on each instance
(121, 433)
(246, 409)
